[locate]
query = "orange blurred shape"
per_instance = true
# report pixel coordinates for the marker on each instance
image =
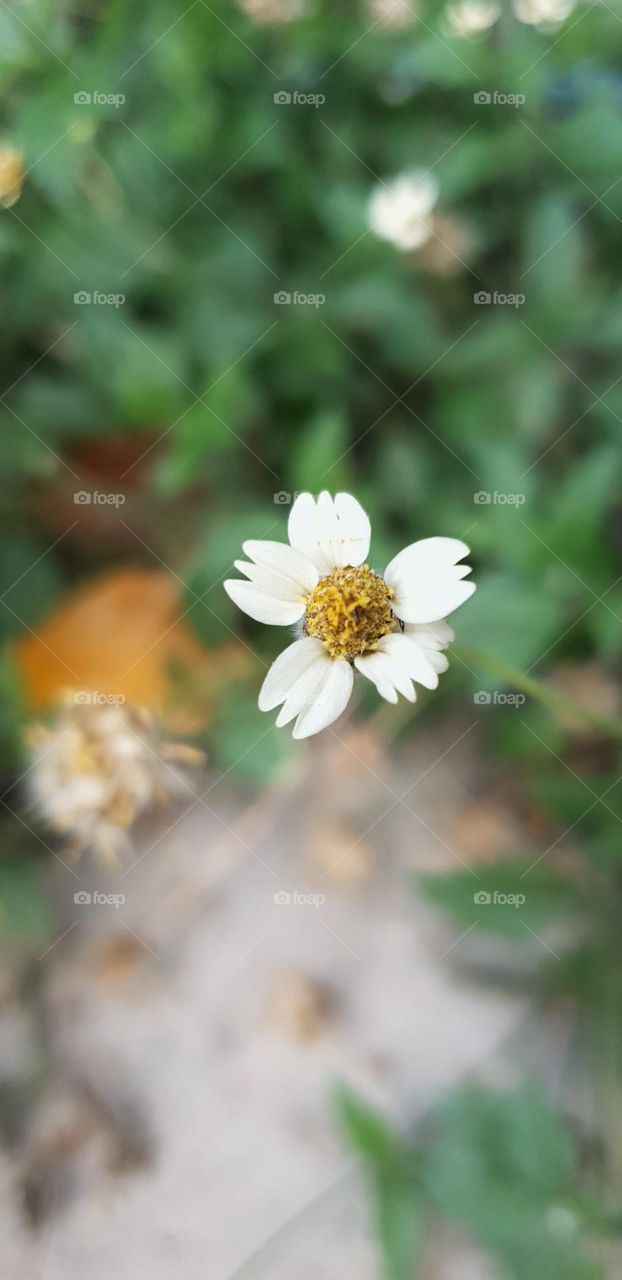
(124, 633)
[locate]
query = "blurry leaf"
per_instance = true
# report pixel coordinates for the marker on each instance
(400, 1228)
(396, 1195)
(554, 252)
(576, 514)
(368, 1130)
(518, 620)
(25, 916)
(12, 704)
(245, 739)
(502, 1165)
(322, 444)
(511, 898)
(29, 582)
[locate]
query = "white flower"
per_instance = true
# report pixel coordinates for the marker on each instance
(543, 12)
(390, 628)
(392, 14)
(269, 11)
(471, 17)
(400, 210)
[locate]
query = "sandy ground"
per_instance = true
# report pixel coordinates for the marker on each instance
(193, 1034)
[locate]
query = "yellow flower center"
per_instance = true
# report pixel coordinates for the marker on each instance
(349, 611)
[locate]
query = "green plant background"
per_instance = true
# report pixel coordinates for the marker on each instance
(199, 198)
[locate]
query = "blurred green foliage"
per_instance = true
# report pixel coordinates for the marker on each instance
(500, 1165)
(196, 197)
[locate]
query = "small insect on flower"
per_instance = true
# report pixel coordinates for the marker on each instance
(96, 769)
(391, 628)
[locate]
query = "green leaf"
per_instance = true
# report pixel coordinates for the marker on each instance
(25, 916)
(511, 898)
(503, 1165)
(517, 618)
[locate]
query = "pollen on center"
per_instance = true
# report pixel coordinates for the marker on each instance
(349, 611)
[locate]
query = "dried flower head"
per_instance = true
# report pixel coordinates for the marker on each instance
(96, 769)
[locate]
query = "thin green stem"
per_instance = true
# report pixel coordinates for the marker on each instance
(557, 702)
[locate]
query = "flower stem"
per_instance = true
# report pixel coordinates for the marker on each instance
(557, 702)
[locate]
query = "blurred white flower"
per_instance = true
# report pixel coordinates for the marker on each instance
(471, 17)
(390, 628)
(399, 211)
(392, 14)
(543, 12)
(96, 769)
(266, 11)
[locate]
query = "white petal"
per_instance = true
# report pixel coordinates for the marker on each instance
(436, 635)
(385, 669)
(331, 533)
(282, 559)
(261, 606)
(427, 580)
(412, 657)
(373, 670)
(271, 582)
(329, 701)
(292, 663)
(303, 692)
